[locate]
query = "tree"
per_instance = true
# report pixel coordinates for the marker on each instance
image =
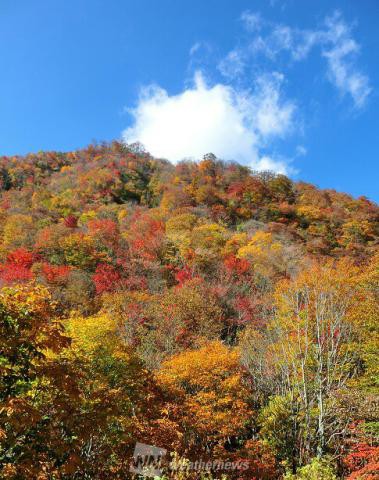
(71, 221)
(269, 256)
(79, 250)
(105, 232)
(79, 291)
(316, 470)
(118, 398)
(36, 393)
(366, 320)
(18, 231)
(362, 461)
(180, 318)
(17, 267)
(208, 384)
(178, 230)
(313, 327)
(106, 278)
(206, 244)
(281, 428)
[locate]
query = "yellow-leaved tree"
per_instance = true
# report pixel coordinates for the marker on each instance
(207, 384)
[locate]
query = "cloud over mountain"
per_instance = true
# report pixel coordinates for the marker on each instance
(231, 123)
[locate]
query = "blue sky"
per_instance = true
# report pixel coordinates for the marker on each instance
(290, 85)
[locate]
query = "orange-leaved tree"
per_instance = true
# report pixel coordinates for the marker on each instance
(208, 386)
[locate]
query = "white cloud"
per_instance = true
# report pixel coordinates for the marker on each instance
(195, 47)
(240, 124)
(232, 124)
(340, 52)
(251, 20)
(301, 151)
(334, 39)
(306, 40)
(271, 116)
(282, 37)
(280, 165)
(232, 65)
(278, 40)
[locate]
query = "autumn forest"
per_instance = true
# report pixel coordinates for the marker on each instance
(206, 309)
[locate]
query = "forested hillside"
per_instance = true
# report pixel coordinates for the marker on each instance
(203, 308)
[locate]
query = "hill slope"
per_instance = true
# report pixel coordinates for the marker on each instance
(204, 308)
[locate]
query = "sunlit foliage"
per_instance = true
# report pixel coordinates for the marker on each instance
(201, 307)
